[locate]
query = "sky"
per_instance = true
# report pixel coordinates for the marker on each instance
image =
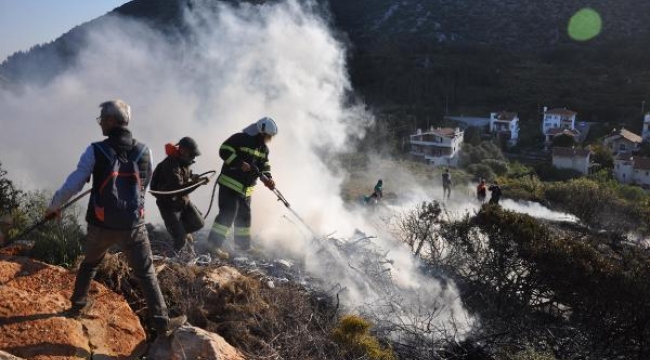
(25, 23)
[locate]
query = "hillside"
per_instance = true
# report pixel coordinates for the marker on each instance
(428, 58)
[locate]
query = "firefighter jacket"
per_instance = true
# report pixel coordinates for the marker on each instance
(237, 149)
(172, 174)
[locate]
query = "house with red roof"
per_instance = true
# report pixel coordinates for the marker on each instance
(555, 121)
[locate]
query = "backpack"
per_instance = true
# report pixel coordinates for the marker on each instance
(118, 203)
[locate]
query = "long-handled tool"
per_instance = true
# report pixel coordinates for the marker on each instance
(284, 201)
(41, 222)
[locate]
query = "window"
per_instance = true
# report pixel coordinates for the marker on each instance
(621, 147)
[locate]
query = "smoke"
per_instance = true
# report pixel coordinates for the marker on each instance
(234, 66)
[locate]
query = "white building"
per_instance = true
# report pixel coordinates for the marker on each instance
(438, 147)
(558, 119)
(629, 169)
(572, 158)
(505, 125)
(623, 141)
(645, 134)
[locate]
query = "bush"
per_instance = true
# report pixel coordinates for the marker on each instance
(57, 242)
(352, 333)
(10, 196)
(481, 171)
(470, 154)
(499, 167)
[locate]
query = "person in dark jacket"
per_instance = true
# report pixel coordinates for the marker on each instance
(171, 174)
(446, 184)
(495, 193)
(245, 156)
(110, 225)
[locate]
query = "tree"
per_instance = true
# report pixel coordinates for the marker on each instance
(564, 140)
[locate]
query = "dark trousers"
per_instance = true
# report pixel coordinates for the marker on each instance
(446, 190)
(172, 216)
(233, 207)
(135, 245)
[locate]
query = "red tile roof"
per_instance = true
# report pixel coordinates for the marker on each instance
(642, 163)
(570, 152)
(558, 131)
(558, 111)
(506, 116)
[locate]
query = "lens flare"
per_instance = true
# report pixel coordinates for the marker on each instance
(585, 25)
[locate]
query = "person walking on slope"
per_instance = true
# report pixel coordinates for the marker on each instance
(495, 193)
(377, 193)
(481, 191)
(245, 156)
(446, 184)
(174, 173)
(120, 168)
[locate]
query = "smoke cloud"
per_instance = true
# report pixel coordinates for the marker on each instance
(237, 65)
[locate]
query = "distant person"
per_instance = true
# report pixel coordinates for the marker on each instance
(377, 193)
(174, 173)
(495, 193)
(481, 191)
(120, 168)
(446, 184)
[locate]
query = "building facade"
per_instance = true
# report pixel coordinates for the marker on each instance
(438, 147)
(572, 158)
(557, 120)
(632, 170)
(505, 125)
(645, 134)
(623, 141)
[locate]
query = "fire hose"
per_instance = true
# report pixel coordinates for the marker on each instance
(203, 180)
(45, 219)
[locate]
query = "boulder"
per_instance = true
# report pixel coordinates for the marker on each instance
(189, 342)
(33, 297)
(7, 356)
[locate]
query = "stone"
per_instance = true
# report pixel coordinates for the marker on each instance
(33, 298)
(189, 342)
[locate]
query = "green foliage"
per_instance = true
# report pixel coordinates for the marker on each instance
(564, 140)
(471, 154)
(500, 167)
(10, 196)
(57, 242)
(529, 188)
(603, 156)
(548, 172)
(482, 171)
(352, 333)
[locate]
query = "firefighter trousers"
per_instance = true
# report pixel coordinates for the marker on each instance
(233, 207)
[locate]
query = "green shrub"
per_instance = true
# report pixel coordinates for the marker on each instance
(499, 167)
(352, 333)
(57, 242)
(481, 171)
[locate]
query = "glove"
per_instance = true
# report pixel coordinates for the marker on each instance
(52, 213)
(268, 182)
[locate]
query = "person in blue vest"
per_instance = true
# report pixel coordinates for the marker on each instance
(245, 156)
(120, 170)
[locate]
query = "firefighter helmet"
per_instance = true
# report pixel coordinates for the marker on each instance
(267, 126)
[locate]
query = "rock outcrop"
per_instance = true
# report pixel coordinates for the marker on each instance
(33, 298)
(189, 342)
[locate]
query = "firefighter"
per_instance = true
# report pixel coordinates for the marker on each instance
(481, 191)
(495, 191)
(245, 156)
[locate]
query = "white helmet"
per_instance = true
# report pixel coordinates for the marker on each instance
(267, 126)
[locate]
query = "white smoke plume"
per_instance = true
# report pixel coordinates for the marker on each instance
(239, 64)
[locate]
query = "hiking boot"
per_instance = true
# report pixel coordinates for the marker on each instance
(172, 325)
(78, 310)
(221, 254)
